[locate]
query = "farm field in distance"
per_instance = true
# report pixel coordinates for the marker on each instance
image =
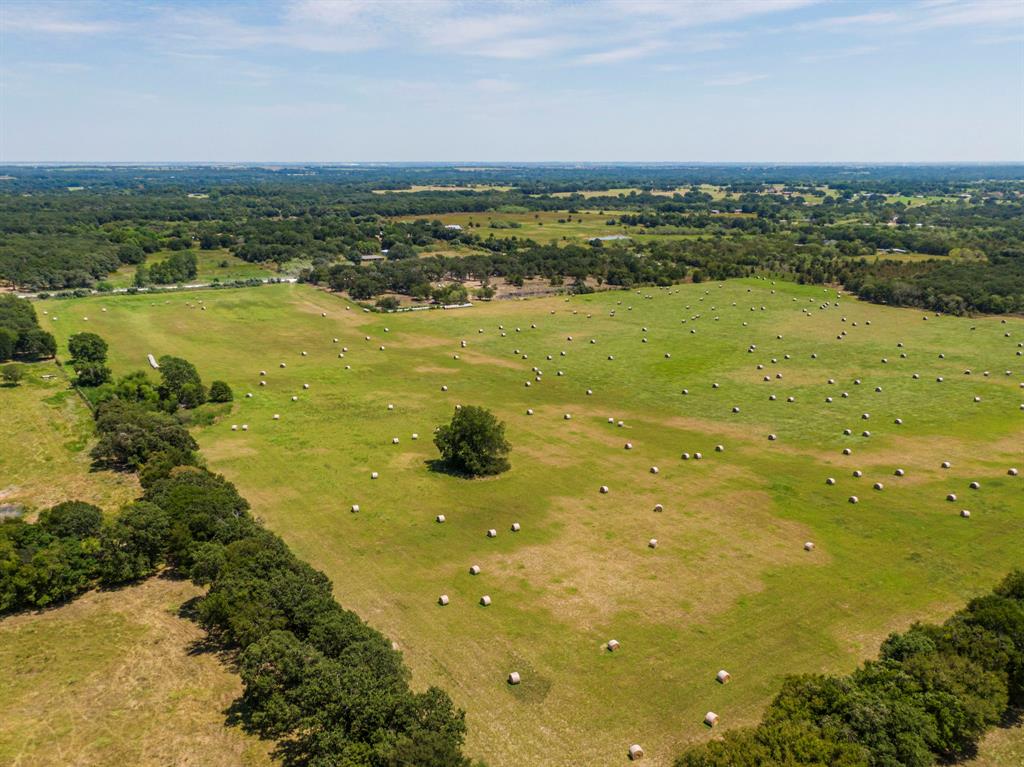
(212, 265)
(729, 584)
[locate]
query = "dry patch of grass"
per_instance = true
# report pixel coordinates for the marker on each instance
(115, 678)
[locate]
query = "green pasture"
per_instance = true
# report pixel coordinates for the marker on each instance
(212, 265)
(729, 585)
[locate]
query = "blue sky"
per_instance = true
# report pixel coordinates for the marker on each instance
(537, 80)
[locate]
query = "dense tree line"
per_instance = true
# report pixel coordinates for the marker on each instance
(327, 687)
(931, 694)
(20, 335)
(330, 218)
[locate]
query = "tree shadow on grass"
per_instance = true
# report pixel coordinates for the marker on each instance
(440, 466)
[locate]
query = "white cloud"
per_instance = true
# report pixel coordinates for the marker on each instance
(616, 55)
(739, 78)
(844, 22)
(975, 13)
(51, 20)
(842, 53)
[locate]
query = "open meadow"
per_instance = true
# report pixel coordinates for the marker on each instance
(673, 373)
(116, 677)
(213, 266)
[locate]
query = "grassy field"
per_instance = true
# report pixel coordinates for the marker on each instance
(541, 226)
(729, 584)
(49, 460)
(213, 265)
(117, 678)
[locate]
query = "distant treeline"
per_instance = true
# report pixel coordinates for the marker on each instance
(331, 217)
(930, 696)
(327, 687)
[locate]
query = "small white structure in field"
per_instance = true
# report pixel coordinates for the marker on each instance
(277, 416)
(514, 678)
(628, 446)
(946, 464)
(653, 543)
(442, 600)
(234, 427)
(516, 527)
(951, 497)
(878, 486)
(854, 499)
(529, 411)
(444, 388)
(975, 485)
(283, 365)
(374, 475)
(965, 514)
(248, 395)
(305, 386)
(898, 421)
(245, 427)
(735, 409)
(711, 719)
(1012, 472)
(858, 473)
(830, 481)
(474, 570)
(440, 518)
(654, 470)
(612, 645)
(355, 507)
(492, 533)
(485, 600)
(604, 489)
(808, 546)
(723, 676)
(295, 398)
(719, 448)
(771, 437)
(636, 752)
(899, 472)
(658, 507)
(394, 440)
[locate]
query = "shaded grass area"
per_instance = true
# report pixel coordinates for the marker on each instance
(212, 265)
(117, 678)
(729, 585)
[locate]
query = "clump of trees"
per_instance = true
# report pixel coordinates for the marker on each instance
(473, 443)
(930, 695)
(88, 359)
(20, 335)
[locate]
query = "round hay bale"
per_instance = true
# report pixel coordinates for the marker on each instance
(1012, 472)
(965, 514)
(374, 475)
(830, 481)
(854, 499)
(808, 546)
(355, 507)
(474, 570)
(604, 489)
(485, 601)
(898, 421)
(847, 451)
(612, 645)
(697, 456)
(514, 678)
(899, 472)
(277, 416)
(653, 543)
(658, 507)
(654, 470)
(719, 448)
(516, 527)
(492, 533)
(444, 388)
(735, 409)
(975, 486)
(858, 473)
(686, 456)
(711, 719)
(772, 438)
(946, 465)
(878, 486)
(440, 519)
(529, 411)
(442, 600)
(234, 427)
(567, 416)
(951, 497)
(415, 435)
(636, 752)
(723, 676)
(629, 446)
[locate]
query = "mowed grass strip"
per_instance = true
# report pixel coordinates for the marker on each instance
(729, 584)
